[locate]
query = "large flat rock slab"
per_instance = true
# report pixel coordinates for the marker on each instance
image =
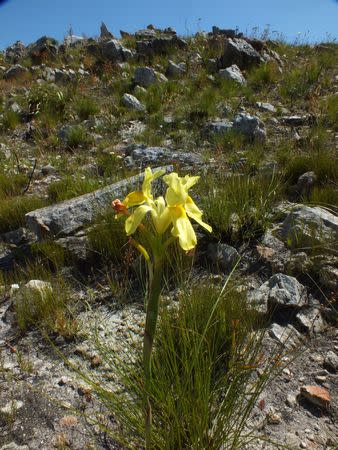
(68, 217)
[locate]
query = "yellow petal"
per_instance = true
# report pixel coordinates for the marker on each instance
(163, 221)
(136, 218)
(183, 229)
(149, 177)
(189, 181)
(195, 213)
(134, 198)
(176, 193)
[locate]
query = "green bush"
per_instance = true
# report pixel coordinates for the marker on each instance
(12, 184)
(70, 187)
(239, 207)
(48, 100)
(86, 107)
(10, 120)
(77, 136)
(13, 210)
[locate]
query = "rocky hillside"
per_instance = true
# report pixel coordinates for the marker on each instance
(79, 121)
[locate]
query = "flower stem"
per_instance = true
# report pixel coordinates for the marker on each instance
(149, 334)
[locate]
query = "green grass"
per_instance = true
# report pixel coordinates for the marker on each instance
(48, 310)
(239, 207)
(107, 237)
(298, 82)
(203, 390)
(86, 107)
(264, 75)
(77, 136)
(13, 210)
(70, 187)
(12, 184)
(48, 101)
(10, 120)
(321, 162)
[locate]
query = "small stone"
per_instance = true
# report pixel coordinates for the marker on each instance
(96, 361)
(131, 102)
(320, 378)
(316, 395)
(331, 361)
(291, 400)
(303, 444)
(11, 407)
(273, 418)
(14, 446)
(222, 256)
(48, 170)
(233, 73)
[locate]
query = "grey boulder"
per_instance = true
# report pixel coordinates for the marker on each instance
(68, 217)
(15, 71)
(306, 225)
(283, 292)
(131, 102)
(239, 52)
(146, 76)
(175, 70)
(222, 256)
(233, 73)
(251, 126)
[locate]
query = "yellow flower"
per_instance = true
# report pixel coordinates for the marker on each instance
(175, 209)
(146, 201)
(180, 206)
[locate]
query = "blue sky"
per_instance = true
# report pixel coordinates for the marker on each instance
(28, 20)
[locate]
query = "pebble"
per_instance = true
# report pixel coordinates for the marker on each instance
(303, 444)
(11, 407)
(291, 400)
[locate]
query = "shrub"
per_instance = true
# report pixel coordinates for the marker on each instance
(13, 210)
(239, 207)
(10, 120)
(70, 187)
(48, 100)
(298, 82)
(264, 75)
(86, 107)
(77, 136)
(12, 184)
(203, 386)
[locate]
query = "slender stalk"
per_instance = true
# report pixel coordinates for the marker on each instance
(148, 340)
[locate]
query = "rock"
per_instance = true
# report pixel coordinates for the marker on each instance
(316, 395)
(175, 70)
(273, 418)
(305, 183)
(11, 407)
(14, 446)
(112, 50)
(296, 121)
(310, 320)
(15, 71)
(131, 102)
(74, 41)
(104, 32)
(266, 107)
(68, 217)
(146, 76)
(283, 292)
(48, 169)
(306, 226)
(250, 126)
(228, 33)
(15, 52)
(239, 52)
(287, 336)
(291, 400)
(42, 48)
(142, 155)
(331, 361)
(222, 256)
(162, 45)
(42, 287)
(233, 73)
(219, 126)
(76, 246)
(6, 257)
(328, 277)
